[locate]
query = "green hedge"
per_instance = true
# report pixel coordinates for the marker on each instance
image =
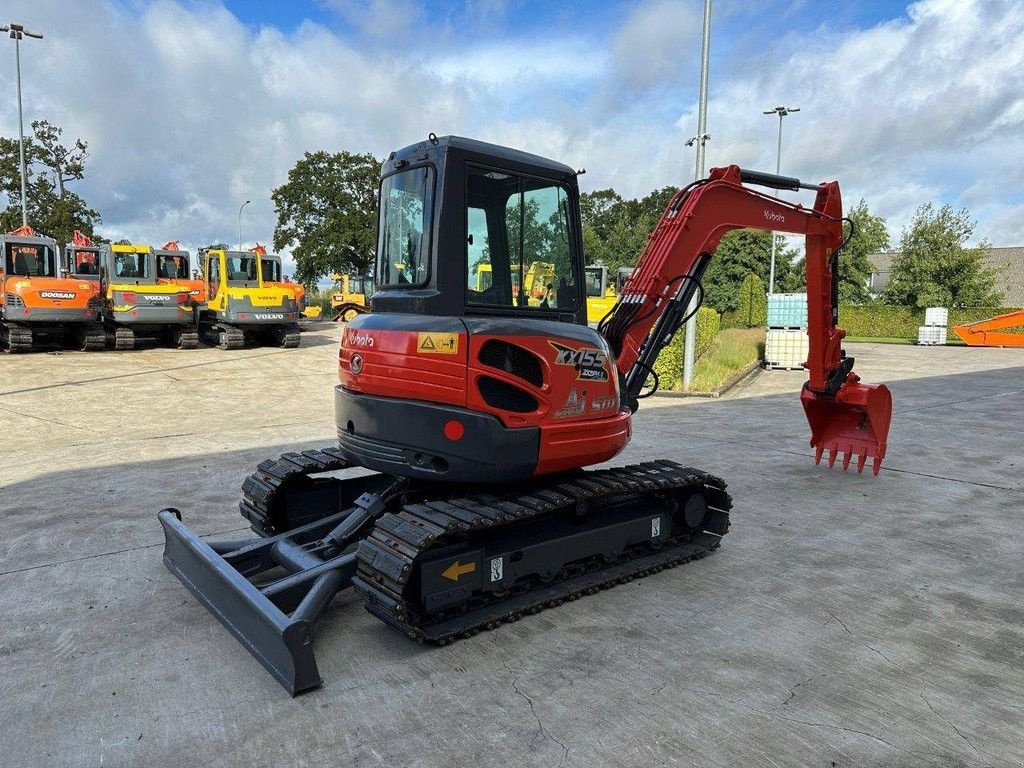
(883, 321)
(669, 365)
(753, 308)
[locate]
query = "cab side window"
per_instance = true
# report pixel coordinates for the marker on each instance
(518, 251)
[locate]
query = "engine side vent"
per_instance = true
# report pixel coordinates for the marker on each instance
(513, 360)
(498, 394)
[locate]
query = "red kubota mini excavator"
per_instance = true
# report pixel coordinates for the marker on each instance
(477, 411)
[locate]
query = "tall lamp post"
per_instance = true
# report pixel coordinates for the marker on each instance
(690, 337)
(17, 34)
(240, 222)
(781, 111)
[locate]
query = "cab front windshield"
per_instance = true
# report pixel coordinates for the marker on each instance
(29, 260)
(172, 267)
(131, 265)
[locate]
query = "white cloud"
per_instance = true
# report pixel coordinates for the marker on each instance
(188, 111)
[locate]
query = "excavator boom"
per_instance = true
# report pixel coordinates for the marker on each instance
(994, 332)
(845, 416)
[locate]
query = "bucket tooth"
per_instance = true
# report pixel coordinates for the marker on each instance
(861, 461)
(817, 453)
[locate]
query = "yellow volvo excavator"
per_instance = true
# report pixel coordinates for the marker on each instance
(242, 306)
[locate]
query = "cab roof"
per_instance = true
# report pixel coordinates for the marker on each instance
(440, 144)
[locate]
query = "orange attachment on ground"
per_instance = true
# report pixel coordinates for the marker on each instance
(990, 333)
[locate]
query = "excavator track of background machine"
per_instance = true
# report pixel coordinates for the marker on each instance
(18, 338)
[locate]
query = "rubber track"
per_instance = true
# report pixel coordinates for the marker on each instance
(94, 338)
(270, 481)
(234, 338)
(18, 338)
(188, 339)
(387, 557)
(124, 338)
(292, 336)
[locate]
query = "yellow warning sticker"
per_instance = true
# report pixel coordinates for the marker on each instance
(438, 343)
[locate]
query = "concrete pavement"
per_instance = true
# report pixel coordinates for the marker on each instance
(847, 620)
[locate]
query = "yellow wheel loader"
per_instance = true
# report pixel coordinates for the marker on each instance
(350, 296)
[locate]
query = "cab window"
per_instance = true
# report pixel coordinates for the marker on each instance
(212, 276)
(403, 240)
(172, 267)
(595, 285)
(131, 265)
(518, 251)
(271, 270)
(86, 263)
(29, 260)
(241, 269)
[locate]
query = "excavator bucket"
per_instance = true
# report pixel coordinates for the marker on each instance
(854, 422)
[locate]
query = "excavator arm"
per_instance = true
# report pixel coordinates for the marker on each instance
(845, 416)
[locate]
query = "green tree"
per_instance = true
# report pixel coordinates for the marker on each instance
(743, 252)
(52, 208)
(934, 268)
(753, 303)
(869, 236)
(327, 213)
(615, 230)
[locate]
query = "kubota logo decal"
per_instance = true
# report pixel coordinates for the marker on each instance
(590, 363)
(774, 216)
(57, 294)
(357, 339)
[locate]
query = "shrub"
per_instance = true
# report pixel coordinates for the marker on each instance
(669, 365)
(885, 321)
(752, 311)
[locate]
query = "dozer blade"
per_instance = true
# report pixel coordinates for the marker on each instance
(855, 422)
(221, 577)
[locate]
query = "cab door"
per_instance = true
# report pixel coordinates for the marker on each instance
(213, 281)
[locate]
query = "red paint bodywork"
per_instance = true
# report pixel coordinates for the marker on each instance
(393, 366)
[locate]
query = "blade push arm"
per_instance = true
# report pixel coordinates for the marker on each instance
(654, 300)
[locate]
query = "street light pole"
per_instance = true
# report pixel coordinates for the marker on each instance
(781, 111)
(17, 32)
(690, 337)
(240, 222)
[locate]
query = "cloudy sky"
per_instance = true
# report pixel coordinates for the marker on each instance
(190, 108)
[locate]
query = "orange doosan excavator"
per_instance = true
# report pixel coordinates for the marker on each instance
(477, 410)
(41, 303)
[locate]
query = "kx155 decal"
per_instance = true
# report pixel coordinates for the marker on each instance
(591, 364)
